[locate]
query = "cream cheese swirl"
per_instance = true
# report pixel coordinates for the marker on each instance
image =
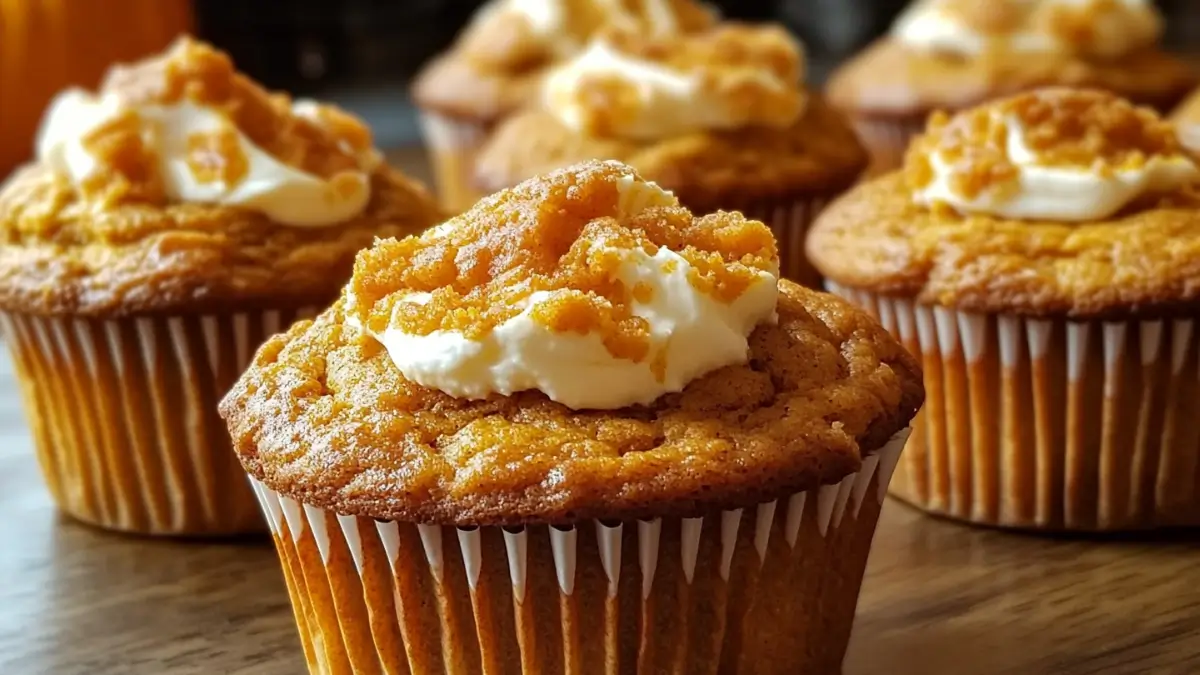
(1057, 155)
(283, 193)
(728, 78)
(685, 329)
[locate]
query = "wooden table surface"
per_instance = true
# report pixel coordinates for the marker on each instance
(939, 598)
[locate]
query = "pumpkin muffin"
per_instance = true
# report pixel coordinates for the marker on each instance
(954, 54)
(496, 66)
(721, 118)
(172, 221)
(576, 428)
(1042, 254)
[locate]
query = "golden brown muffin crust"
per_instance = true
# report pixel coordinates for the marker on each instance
(455, 88)
(819, 153)
(323, 416)
(116, 244)
(890, 80)
(61, 257)
(1143, 263)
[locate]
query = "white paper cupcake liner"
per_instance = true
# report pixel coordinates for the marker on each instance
(453, 145)
(767, 589)
(124, 420)
(789, 222)
(886, 141)
(1050, 424)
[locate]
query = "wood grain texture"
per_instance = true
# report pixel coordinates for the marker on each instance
(940, 599)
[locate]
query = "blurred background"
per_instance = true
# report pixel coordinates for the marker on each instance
(359, 53)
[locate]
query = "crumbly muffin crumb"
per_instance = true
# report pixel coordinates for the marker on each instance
(1089, 130)
(565, 235)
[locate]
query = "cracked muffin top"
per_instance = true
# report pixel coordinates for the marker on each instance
(182, 186)
(580, 346)
(1053, 202)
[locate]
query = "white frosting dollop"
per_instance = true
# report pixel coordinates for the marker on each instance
(1057, 193)
(670, 102)
(691, 334)
(283, 193)
(1113, 28)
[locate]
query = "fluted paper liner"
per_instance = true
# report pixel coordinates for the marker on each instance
(1048, 423)
(453, 145)
(124, 420)
(886, 141)
(766, 589)
(789, 222)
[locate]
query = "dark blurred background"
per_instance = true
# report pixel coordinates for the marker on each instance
(362, 53)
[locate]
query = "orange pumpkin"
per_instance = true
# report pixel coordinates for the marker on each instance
(46, 45)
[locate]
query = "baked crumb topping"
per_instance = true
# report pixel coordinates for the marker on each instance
(196, 73)
(750, 75)
(216, 156)
(1089, 130)
(133, 166)
(562, 236)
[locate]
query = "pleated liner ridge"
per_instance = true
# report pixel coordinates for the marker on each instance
(1050, 424)
(767, 589)
(453, 145)
(124, 416)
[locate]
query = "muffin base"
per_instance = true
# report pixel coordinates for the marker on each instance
(770, 589)
(789, 222)
(453, 145)
(1049, 424)
(124, 420)
(886, 140)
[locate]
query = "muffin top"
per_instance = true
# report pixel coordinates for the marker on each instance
(951, 54)
(496, 64)
(1052, 202)
(183, 186)
(577, 347)
(714, 116)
